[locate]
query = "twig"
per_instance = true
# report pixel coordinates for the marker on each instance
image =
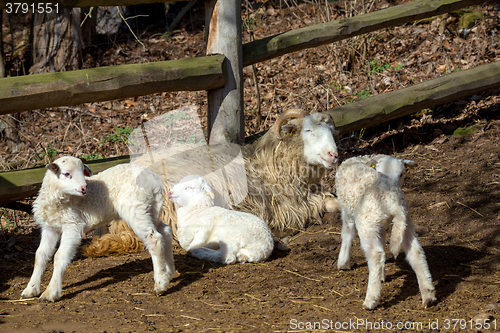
(475, 211)
(190, 317)
(129, 28)
(210, 304)
(252, 297)
(305, 277)
(18, 300)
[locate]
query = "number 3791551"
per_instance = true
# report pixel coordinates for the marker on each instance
(24, 8)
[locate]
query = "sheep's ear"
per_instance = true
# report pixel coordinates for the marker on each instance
(86, 170)
(289, 129)
(410, 164)
(53, 167)
(372, 163)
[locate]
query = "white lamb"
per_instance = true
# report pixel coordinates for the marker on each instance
(370, 197)
(214, 233)
(69, 205)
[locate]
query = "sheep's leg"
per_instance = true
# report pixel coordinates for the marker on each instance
(372, 243)
(70, 239)
(416, 258)
(44, 253)
(156, 243)
(348, 233)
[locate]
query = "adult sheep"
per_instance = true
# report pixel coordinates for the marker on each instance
(283, 172)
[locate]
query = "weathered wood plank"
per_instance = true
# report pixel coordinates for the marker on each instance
(19, 184)
(384, 107)
(88, 3)
(325, 33)
(24, 93)
(225, 105)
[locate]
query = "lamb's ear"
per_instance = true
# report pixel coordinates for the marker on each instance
(410, 164)
(289, 128)
(86, 170)
(53, 167)
(208, 191)
(372, 163)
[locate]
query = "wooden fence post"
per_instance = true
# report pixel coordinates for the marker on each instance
(225, 105)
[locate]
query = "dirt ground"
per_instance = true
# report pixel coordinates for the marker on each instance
(454, 194)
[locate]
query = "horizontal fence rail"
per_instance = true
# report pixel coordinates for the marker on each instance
(384, 107)
(334, 31)
(24, 93)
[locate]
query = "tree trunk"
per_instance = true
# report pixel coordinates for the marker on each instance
(225, 105)
(59, 39)
(10, 133)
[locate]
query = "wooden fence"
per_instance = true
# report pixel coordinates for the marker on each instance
(222, 78)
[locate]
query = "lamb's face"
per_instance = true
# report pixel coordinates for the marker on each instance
(191, 189)
(394, 168)
(319, 142)
(69, 175)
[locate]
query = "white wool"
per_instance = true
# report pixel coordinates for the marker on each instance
(214, 233)
(370, 197)
(70, 204)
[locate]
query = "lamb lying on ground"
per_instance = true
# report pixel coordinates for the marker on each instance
(214, 233)
(370, 196)
(69, 205)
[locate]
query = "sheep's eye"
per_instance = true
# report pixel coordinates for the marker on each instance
(66, 174)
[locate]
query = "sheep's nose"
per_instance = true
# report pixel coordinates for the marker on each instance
(333, 155)
(84, 189)
(170, 194)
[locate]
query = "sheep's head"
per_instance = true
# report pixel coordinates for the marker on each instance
(191, 190)
(69, 175)
(393, 168)
(317, 131)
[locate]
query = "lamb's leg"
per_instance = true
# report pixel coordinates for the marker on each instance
(373, 247)
(157, 244)
(44, 253)
(348, 233)
(166, 232)
(416, 258)
(70, 240)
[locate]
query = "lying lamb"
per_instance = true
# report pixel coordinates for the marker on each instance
(214, 233)
(69, 205)
(370, 196)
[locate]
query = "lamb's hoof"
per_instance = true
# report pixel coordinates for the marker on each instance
(370, 304)
(343, 266)
(47, 298)
(30, 293)
(159, 293)
(428, 302)
(161, 289)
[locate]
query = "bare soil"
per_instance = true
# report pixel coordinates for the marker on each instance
(454, 193)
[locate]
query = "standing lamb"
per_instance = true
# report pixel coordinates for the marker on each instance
(69, 205)
(283, 173)
(370, 197)
(214, 233)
